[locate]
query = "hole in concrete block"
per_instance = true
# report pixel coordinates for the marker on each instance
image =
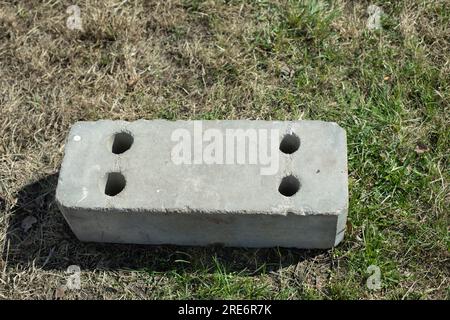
(115, 183)
(289, 186)
(122, 141)
(290, 143)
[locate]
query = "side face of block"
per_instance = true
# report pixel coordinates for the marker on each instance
(136, 182)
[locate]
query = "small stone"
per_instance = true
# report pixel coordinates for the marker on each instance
(28, 222)
(374, 20)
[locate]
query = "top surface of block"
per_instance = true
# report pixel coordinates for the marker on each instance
(155, 183)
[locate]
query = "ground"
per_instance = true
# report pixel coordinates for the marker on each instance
(282, 60)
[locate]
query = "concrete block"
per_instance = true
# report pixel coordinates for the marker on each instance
(234, 183)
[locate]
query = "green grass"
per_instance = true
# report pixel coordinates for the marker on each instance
(287, 60)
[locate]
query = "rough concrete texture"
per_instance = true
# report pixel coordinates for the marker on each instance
(125, 188)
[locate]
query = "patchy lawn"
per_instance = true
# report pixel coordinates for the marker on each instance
(287, 60)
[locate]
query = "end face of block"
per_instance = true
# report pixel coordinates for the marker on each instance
(236, 183)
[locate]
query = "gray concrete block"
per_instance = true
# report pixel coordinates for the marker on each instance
(235, 183)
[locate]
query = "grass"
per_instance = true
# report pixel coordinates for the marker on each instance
(283, 60)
